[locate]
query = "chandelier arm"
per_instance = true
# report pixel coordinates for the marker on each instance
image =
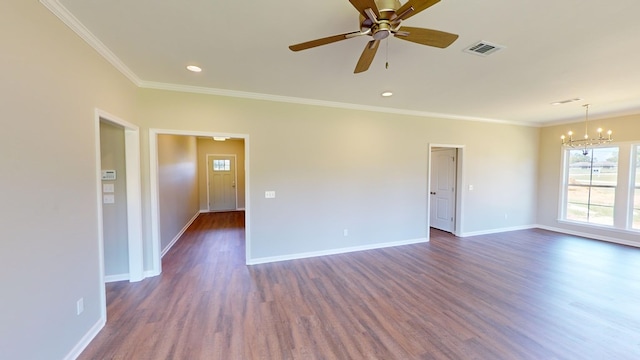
(587, 141)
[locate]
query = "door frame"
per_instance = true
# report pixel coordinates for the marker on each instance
(235, 177)
(459, 198)
(156, 263)
(133, 198)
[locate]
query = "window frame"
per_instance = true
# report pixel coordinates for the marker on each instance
(625, 190)
(566, 161)
(634, 172)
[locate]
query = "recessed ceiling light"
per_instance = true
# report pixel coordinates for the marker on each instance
(387, 94)
(194, 68)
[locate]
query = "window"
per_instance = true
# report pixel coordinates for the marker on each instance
(222, 165)
(590, 186)
(635, 222)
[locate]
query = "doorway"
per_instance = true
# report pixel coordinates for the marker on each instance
(133, 200)
(445, 182)
(222, 177)
(242, 183)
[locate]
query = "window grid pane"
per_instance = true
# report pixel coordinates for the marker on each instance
(591, 185)
(222, 165)
(602, 215)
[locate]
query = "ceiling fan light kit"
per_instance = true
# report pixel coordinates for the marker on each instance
(381, 18)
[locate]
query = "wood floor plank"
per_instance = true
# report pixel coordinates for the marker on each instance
(530, 294)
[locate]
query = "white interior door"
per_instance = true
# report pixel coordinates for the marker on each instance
(222, 182)
(443, 189)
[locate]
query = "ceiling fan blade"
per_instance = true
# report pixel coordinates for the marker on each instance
(324, 41)
(427, 37)
(362, 5)
(418, 6)
(367, 56)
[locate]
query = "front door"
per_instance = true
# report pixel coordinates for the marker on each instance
(443, 189)
(222, 182)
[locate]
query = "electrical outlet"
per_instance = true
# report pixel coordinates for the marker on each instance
(345, 232)
(269, 194)
(80, 306)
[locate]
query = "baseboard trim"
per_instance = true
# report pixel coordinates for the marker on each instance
(177, 237)
(555, 229)
(496, 231)
(150, 273)
(205, 211)
(265, 260)
(86, 339)
(591, 236)
(114, 278)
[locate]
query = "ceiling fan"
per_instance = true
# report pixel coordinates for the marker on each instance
(379, 19)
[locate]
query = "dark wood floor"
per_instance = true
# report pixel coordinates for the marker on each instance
(530, 294)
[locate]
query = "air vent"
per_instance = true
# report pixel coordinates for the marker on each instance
(565, 101)
(483, 48)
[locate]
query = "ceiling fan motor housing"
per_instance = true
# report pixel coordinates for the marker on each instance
(386, 9)
(387, 5)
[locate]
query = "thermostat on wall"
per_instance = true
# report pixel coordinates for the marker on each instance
(108, 174)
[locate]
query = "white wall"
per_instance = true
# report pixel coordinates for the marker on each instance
(177, 185)
(50, 84)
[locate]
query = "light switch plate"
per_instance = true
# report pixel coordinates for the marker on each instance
(269, 194)
(108, 188)
(108, 199)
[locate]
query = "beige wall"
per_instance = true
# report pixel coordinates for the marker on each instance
(229, 147)
(626, 129)
(177, 185)
(51, 83)
(367, 172)
(114, 223)
(331, 169)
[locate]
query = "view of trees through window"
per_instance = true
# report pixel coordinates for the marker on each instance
(591, 185)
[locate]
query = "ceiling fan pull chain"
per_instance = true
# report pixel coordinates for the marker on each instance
(386, 64)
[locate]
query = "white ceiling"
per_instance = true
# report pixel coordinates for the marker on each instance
(555, 50)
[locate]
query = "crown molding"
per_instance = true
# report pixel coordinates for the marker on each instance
(594, 117)
(314, 102)
(74, 24)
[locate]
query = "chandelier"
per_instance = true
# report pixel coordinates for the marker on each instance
(587, 141)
